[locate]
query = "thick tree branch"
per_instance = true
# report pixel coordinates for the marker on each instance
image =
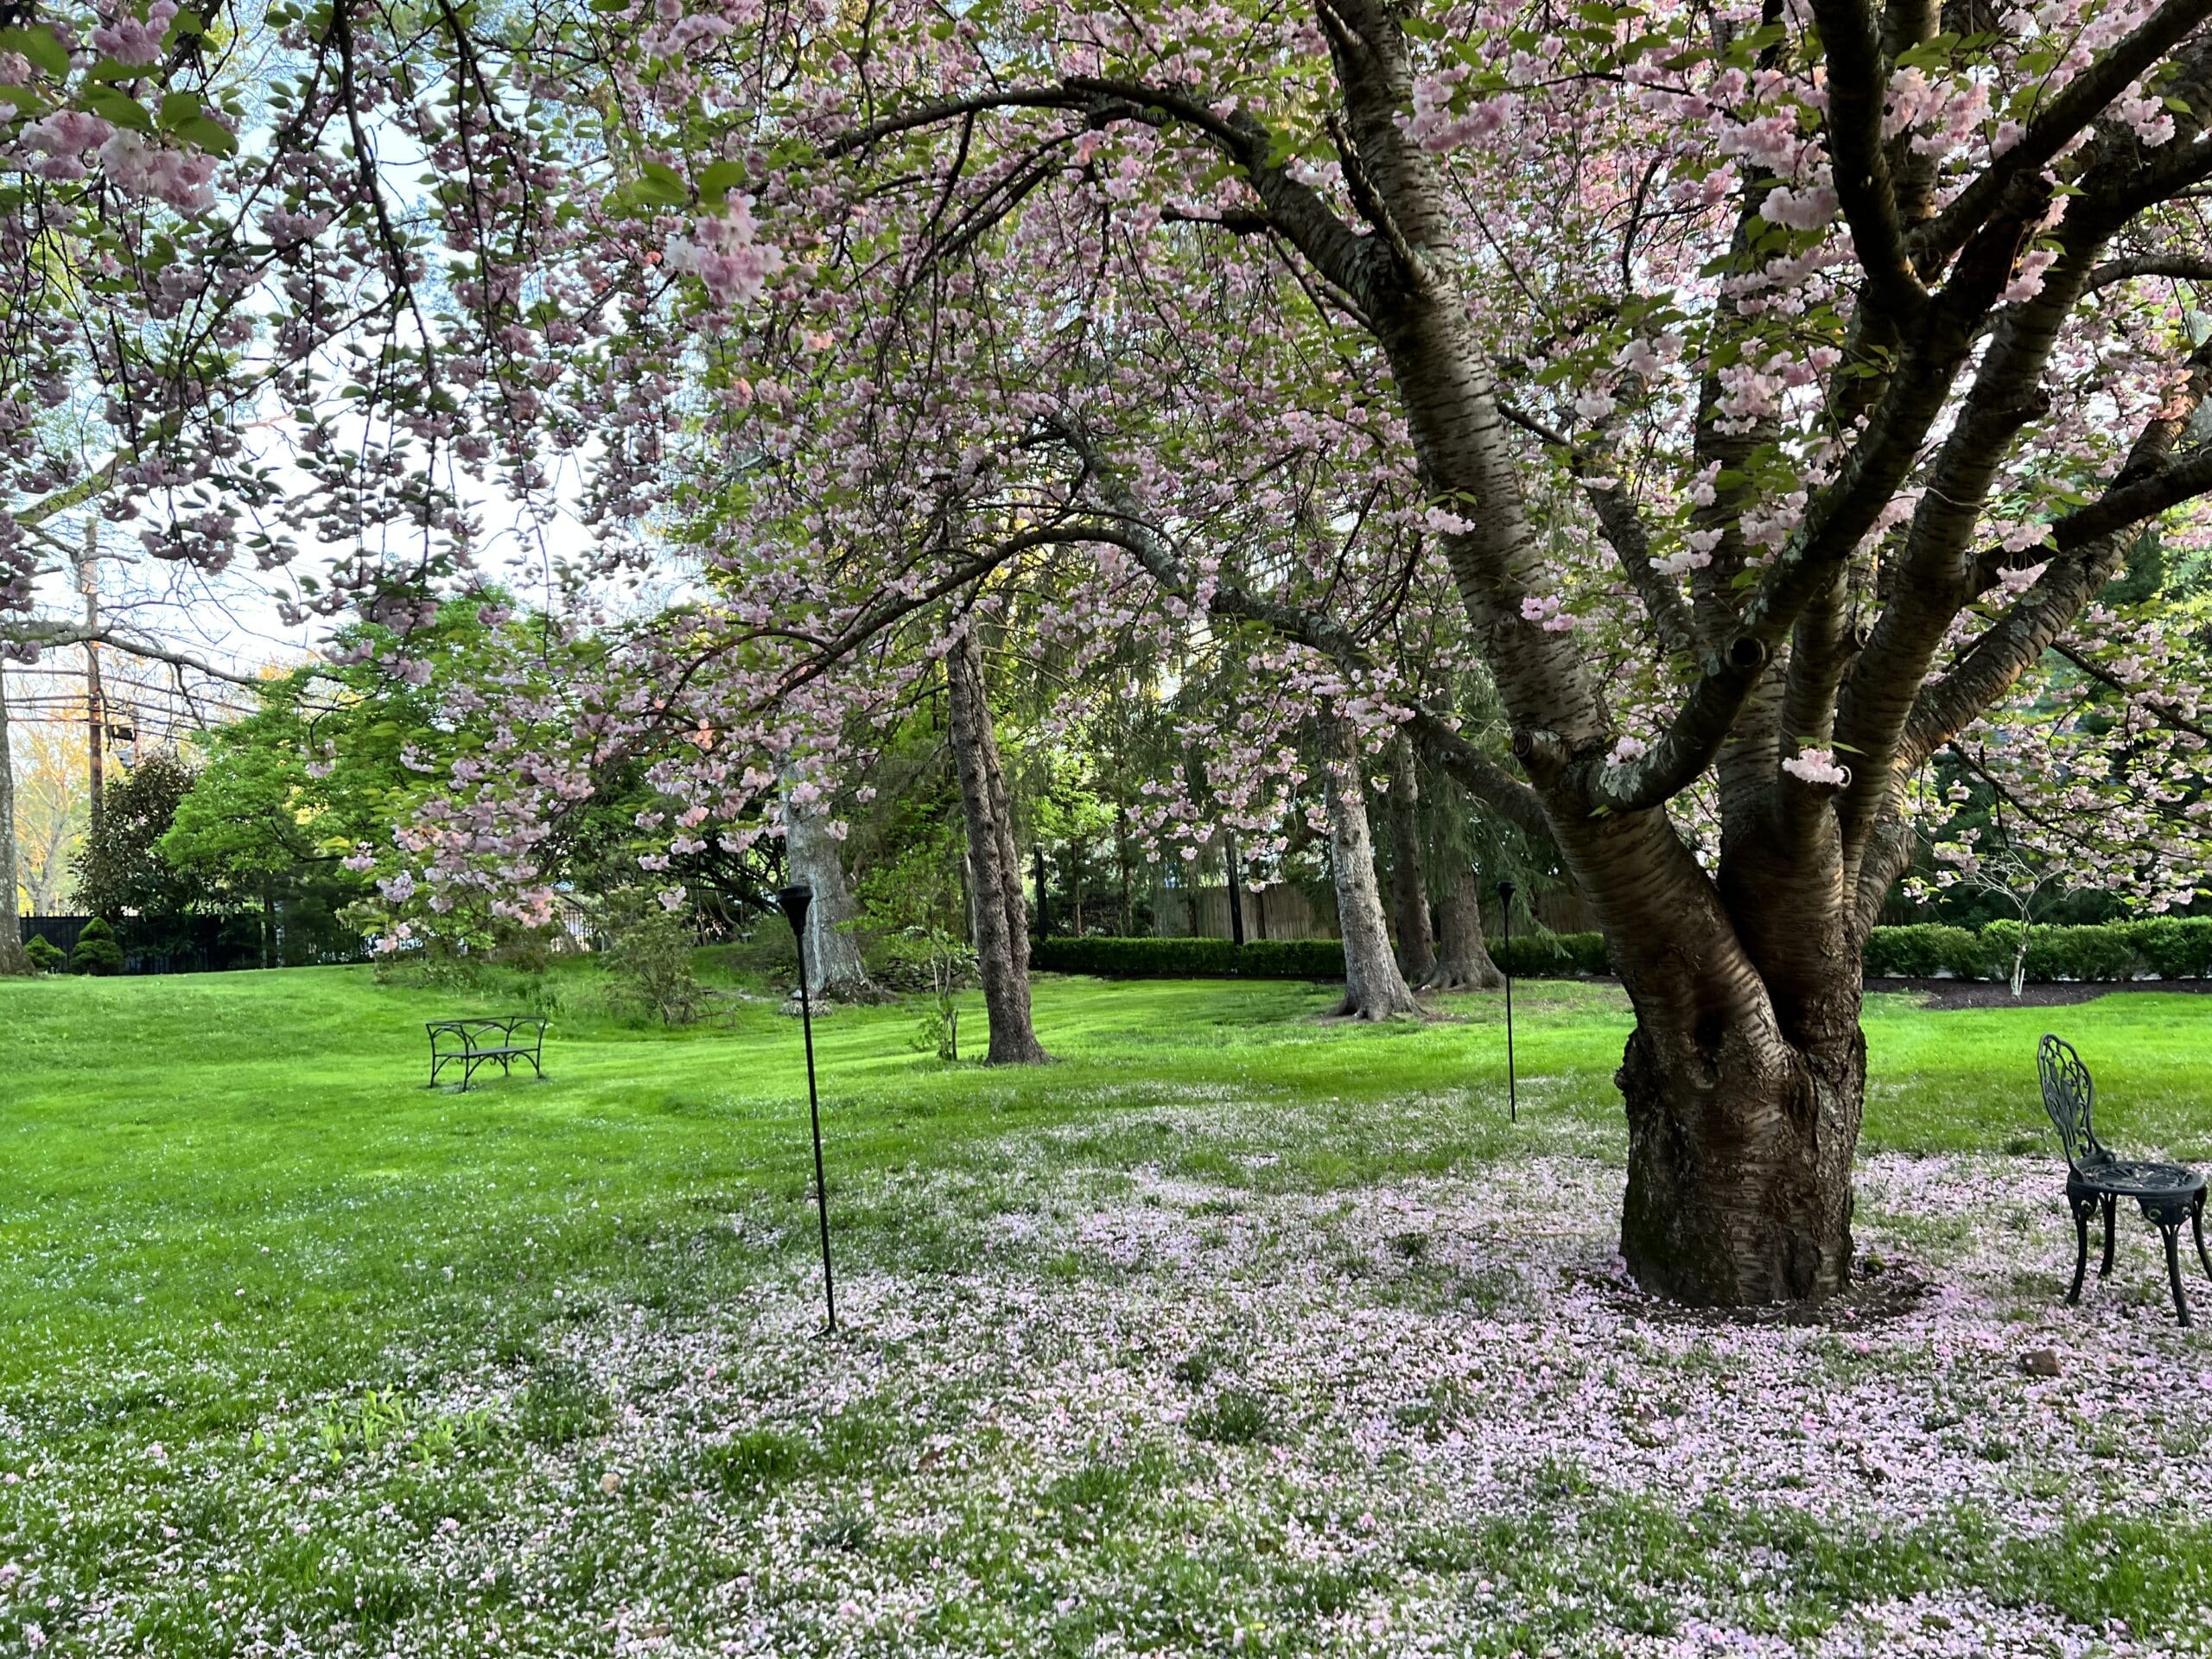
(48, 636)
(2068, 114)
(1296, 210)
(1858, 85)
(2177, 267)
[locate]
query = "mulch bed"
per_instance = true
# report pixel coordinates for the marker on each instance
(1941, 994)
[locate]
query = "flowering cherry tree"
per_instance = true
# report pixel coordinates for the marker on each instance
(1757, 396)
(1771, 390)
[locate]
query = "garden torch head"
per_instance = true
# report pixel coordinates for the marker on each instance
(1505, 891)
(793, 902)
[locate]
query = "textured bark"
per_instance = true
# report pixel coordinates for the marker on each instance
(1001, 922)
(1740, 1147)
(1408, 891)
(1463, 962)
(1373, 988)
(835, 970)
(12, 960)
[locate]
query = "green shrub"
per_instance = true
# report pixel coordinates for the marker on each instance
(647, 951)
(45, 957)
(1114, 958)
(2173, 947)
(1545, 955)
(1926, 948)
(1551, 955)
(98, 950)
(2094, 951)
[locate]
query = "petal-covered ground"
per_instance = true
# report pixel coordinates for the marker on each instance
(1090, 1405)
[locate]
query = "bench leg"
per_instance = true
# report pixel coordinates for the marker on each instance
(2111, 1204)
(2197, 1226)
(2081, 1210)
(2172, 1231)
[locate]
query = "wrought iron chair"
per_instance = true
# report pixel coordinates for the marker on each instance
(2095, 1179)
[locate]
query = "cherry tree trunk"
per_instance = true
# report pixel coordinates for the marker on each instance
(1740, 1147)
(1408, 891)
(12, 960)
(1463, 962)
(834, 967)
(1746, 1076)
(1001, 925)
(1373, 988)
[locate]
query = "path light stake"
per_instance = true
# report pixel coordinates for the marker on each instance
(1512, 1088)
(794, 902)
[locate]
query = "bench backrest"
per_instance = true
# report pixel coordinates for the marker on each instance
(2071, 1096)
(468, 1029)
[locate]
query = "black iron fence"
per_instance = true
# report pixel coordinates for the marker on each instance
(172, 944)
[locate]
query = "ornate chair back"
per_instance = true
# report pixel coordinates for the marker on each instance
(2069, 1096)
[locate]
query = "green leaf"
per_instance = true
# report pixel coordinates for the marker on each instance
(177, 108)
(204, 133)
(718, 179)
(662, 185)
(41, 46)
(1933, 53)
(112, 106)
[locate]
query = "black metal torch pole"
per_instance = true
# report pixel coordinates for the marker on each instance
(795, 902)
(1512, 1087)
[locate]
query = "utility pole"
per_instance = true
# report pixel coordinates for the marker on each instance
(88, 584)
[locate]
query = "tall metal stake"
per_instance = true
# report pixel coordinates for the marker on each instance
(794, 903)
(1512, 1088)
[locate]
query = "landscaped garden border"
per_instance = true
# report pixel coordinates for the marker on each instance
(2163, 947)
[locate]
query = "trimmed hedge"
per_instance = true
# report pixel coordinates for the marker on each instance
(1112, 958)
(1548, 955)
(2168, 947)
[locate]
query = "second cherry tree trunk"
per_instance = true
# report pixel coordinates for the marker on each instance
(1373, 988)
(1463, 962)
(12, 960)
(835, 970)
(1002, 920)
(1408, 892)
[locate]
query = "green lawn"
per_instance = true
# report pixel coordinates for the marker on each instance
(365, 1323)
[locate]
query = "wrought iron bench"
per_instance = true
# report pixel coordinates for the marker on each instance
(2095, 1179)
(471, 1042)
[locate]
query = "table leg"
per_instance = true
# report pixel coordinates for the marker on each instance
(2197, 1226)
